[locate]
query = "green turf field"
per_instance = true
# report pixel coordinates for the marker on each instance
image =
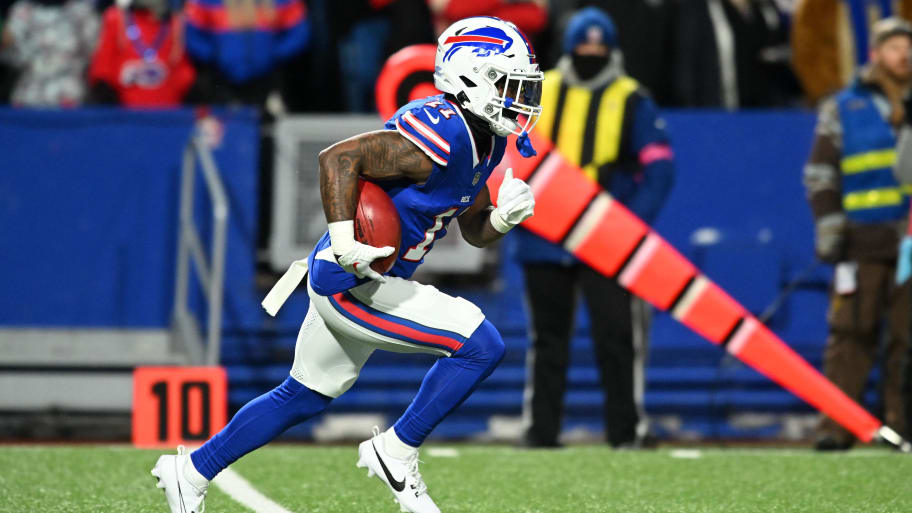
(107, 479)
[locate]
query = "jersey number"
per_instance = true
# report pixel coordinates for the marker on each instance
(417, 252)
(437, 104)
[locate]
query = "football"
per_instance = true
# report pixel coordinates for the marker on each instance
(377, 223)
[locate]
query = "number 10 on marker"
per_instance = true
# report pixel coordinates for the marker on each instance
(178, 405)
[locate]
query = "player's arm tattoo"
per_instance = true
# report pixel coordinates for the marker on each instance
(475, 223)
(380, 155)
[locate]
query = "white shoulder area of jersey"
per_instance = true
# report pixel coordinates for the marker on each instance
(436, 127)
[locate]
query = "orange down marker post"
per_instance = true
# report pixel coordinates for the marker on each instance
(609, 238)
(708, 310)
(575, 212)
(615, 234)
(178, 405)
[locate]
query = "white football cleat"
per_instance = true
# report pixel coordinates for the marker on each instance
(401, 476)
(182, 496)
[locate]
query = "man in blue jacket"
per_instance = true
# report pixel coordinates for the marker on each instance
(242, 43)
(859, 210)
(603, 121)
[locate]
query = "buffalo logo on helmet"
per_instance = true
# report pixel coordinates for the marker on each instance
(484, 42)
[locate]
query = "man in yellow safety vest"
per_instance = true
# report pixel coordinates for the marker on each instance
(859, 210)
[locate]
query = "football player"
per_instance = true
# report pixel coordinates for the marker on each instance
(433, 159)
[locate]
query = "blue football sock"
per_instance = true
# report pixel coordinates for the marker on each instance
(449, 382)
(257, 423)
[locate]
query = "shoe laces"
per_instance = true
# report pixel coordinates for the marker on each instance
(411, 466)
(182, 451)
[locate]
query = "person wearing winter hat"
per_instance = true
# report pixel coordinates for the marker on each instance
(604, 122)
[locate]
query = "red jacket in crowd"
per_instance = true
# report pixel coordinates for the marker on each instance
(529, 16)
(142, 58)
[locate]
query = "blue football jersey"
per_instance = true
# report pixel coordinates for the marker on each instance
(438, 127)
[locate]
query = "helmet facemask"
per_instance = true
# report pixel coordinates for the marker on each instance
(514, 104)
(489, 66)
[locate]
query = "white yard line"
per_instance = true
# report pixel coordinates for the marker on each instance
(243, 492)
(777, 452)
(686, 454)
(443, 452)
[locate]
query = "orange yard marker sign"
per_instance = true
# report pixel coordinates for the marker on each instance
(178, 405)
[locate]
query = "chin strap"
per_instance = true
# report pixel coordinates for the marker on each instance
(524, 145)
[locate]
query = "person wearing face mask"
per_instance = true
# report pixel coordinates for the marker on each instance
(604, 122)
(859, 209)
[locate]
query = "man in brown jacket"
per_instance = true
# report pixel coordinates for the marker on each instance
(825, 46)
(859, 210)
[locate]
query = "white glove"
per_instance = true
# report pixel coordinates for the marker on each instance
(353, 256)
(515, 203)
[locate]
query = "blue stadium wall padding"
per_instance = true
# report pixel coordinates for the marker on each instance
(88, 214)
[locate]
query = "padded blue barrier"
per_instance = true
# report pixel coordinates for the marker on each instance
(88, 214)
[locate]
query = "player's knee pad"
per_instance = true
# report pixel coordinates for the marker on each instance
(484, 347)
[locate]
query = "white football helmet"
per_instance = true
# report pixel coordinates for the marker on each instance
(489, 66)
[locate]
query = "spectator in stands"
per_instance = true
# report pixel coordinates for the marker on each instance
(368, 31)
(604, 122)
(859, 208)
(530, 16)
(412, 22)
(732, 54)
(825, 54)
(49, 43)
(140, 60)
(239, 44)
(363, 31)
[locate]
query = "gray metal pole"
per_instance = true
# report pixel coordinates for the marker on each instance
(219, 243)
(186, 218)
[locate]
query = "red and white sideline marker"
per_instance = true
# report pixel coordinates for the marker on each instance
(572, 210)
